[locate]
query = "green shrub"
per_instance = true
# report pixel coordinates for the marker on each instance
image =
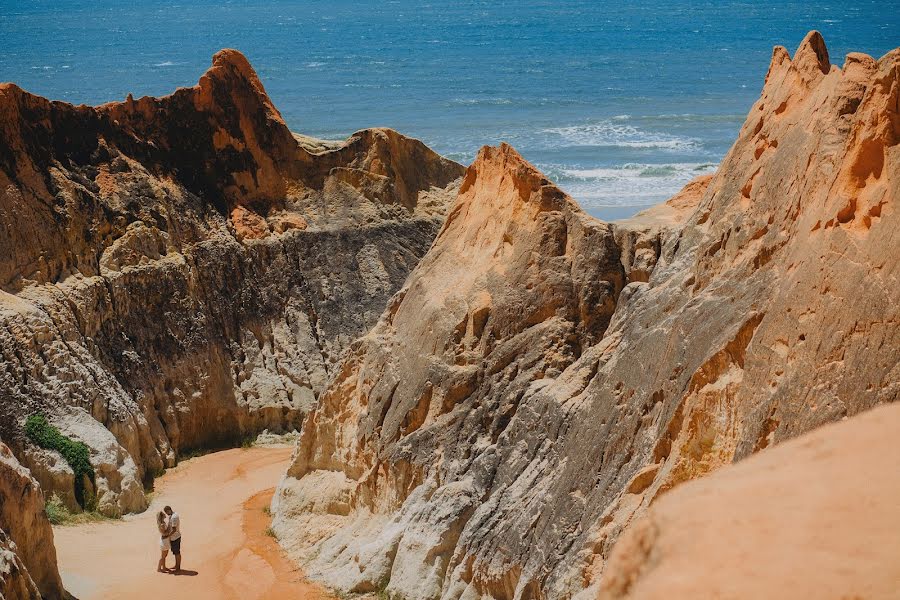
(56, 511)
(271, 533)
(59, 514)
(45, 435)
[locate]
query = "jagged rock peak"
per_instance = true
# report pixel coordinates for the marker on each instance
(489, 440)
(231, 69)
(859, 101)
(229, 58)
(239, 146)
(188, 228)
(502, 166)
(517, 283)
(810, 61)
(812, 55)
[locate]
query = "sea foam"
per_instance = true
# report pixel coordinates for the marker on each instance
(617, 135)
(626, 185)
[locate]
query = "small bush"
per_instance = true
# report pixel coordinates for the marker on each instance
(56, 511)
(59, 514)
(248, 442)
(45, 435)
(267, 509)
(271, 533)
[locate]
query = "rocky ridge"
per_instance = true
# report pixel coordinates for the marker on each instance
(542, 377)
(184, 272)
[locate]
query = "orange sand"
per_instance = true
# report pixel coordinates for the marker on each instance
(225, 553)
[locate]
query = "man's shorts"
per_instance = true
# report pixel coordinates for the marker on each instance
(176, 546)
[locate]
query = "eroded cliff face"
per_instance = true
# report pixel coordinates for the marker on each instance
(27, 556)
(519, 281)
(542, 377)
(182, 272)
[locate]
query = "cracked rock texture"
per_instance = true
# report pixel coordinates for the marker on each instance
(184, 272)
(542, 376)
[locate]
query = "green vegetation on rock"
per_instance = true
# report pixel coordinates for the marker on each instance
(59, 514)
(45, 435)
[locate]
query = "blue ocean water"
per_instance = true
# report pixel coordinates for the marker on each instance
(618, 102)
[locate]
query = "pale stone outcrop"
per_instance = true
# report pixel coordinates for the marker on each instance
(184, 272)
(542, 377)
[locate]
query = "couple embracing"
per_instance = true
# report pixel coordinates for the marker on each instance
(169, 524)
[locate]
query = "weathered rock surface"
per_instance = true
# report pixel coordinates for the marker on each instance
(184, 271)
(512, 291)
(815, 517)
(542, 377)
(27, 555)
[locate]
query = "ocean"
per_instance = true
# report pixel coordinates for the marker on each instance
(620, 103)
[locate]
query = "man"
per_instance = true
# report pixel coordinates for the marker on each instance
(175, 535)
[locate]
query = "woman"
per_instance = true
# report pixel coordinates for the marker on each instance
(163, 525)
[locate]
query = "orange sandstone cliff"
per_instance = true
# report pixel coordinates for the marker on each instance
(184, 272)
(27, 557)
(542, 377)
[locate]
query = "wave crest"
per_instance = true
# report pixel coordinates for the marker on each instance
(626, 185)
(618, 135)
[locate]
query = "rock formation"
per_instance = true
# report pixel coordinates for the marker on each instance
(542, 377)
(27, 556)
(518, 282)
(815, 517)
(183, 272)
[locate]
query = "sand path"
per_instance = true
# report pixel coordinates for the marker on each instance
(226, 552)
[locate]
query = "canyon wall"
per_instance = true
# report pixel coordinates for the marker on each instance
(542, 377)
(180, 273)
(27, 556)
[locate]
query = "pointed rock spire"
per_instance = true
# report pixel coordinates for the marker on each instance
(811, 59)
(780, 62)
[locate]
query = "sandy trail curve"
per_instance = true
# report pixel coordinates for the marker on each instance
(226, 552)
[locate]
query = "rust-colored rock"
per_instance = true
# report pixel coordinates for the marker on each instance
(542, 377)
(183, 272)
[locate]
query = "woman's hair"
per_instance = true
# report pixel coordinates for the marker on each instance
(160, 518)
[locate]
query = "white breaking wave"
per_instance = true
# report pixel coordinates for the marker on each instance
(616, 134)
(626, 185)
(642, 171)
(167, 63)
(477, 101)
